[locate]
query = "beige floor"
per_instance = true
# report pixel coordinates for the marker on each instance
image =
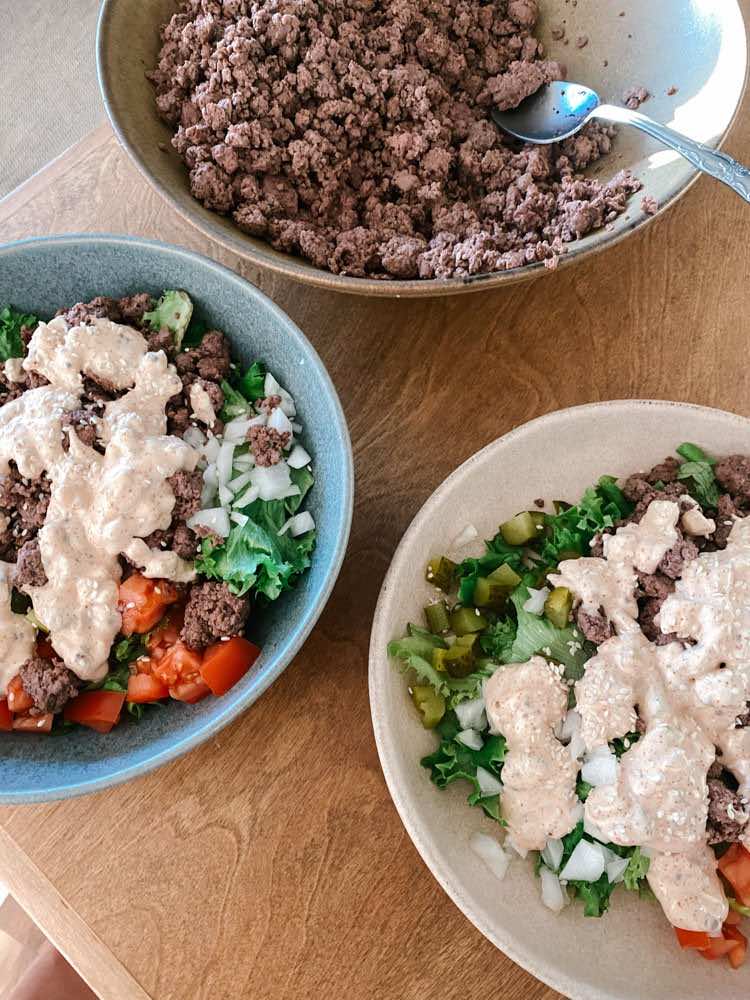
(49, 97)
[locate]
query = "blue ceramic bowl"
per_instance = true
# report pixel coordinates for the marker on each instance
(39, 276)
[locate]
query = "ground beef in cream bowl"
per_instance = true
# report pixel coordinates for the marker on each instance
(350, 144)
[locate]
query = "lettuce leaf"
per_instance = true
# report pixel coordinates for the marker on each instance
(11, 323)
(414, 650)
(252, 383)
(453, 761)
(571, 530)
(537, 634)
(697, 471)
(173, 311)
(235, 404)
(255, 556)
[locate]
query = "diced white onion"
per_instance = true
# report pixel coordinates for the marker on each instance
(297, 428)
(215, 519)
(585, 864)
(208, 494)
(554, 896)
(236, 430)
(272, 481)
(491, 852)
(470, 738)
(272, 388)
(236, 484)
(488, 783)
(577, 746)
(298, 457)
(209, 475)
(245, 499)
(195, 437)
(571, 726)
(211, 449)
(616, 869)
(292, 491)
(280, 422)
(600, 767)
(535, 603)
(609, 855)
(471, 714)
(238, 518)
(300, 524)
(464, 537)
(552, 854)
(224, 463)
(225, 495)
(512, 847)
(243, 462)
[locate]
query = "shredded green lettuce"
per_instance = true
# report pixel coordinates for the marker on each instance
(535, 634)
(571, 530)
(11, 323)
(173, 311)
(498, 553)
(414, 651)
(454, 761)
(252, 383)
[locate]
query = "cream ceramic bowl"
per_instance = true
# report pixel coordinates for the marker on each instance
(698, 46)
(631, 953)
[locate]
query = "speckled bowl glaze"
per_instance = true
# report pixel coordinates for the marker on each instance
(698, 46)
(41, 275)
(631, 953)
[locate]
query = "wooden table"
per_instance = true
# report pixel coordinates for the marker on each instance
(271, 862)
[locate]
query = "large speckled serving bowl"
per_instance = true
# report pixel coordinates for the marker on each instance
(631, 953)
(43, 274)
(698, 46)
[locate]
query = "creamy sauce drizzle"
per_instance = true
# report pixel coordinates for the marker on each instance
(689, 697)
(99, 504)
(17, 634)
(525, 702)
(201, 405)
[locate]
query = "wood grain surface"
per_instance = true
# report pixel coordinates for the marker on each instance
(271, 862)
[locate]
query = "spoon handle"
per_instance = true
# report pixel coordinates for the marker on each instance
(710, 161)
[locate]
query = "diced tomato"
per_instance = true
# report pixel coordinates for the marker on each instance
(167, 632)
(143, 688)
(733, 918)
(718, 948)
(734, 865)
(142, 601)
(179, 663)
(225, 663)
(738, 954)
(6, 719)
(692, 939)
(99, 710)
(34, 723)
(189, 691)
(18, 700)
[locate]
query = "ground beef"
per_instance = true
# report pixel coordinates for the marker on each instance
(664, 472)
(29, 571)
(212, 612)
(682, 552)
(23, 503)
(160, 340)
(743, 720)
(357, 134)
(100, 307)
(596, 628)
(267, 444)
(726, 513)
(649, 205)
(733, 473)
(132, 308)
(634, 97)
(642, 493)
(655, 585)
(268, 403)
(185, 542)
(97, 392)
(210, 360)
(727, 817)
(648, 609)
(178, 415)
(187, 488)
(49, 683)
(85, 423)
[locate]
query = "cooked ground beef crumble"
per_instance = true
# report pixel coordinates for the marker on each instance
(358, 135)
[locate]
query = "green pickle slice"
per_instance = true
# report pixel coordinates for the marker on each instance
(429, 704)
(558, 607)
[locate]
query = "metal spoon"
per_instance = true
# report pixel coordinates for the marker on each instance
(561, 109)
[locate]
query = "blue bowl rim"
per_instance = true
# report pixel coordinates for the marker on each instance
(307, 622)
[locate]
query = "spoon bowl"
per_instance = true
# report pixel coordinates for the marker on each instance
(561, 109)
